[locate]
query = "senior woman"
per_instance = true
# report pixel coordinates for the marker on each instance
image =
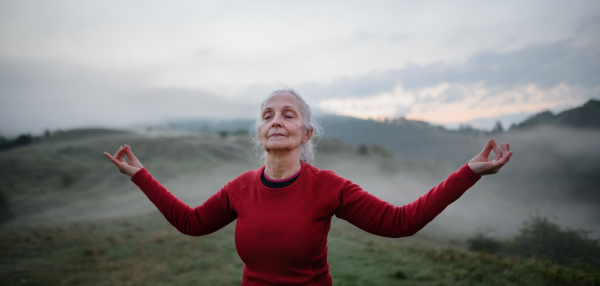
(284, 208)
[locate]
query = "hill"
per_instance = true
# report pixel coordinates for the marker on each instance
(76, 221)
(586, 116)
(552, 162)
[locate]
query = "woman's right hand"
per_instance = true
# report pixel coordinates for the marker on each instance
(130, 168)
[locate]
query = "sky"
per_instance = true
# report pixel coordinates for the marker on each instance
(69, 64)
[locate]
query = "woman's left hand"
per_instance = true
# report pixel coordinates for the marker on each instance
(482, 166)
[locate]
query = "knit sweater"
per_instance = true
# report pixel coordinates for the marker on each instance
(281, 234)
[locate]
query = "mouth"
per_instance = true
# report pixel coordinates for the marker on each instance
(277, 135)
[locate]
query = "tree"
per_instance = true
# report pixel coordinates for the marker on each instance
(498, 128)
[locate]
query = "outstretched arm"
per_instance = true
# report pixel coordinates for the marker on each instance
(207, 218)
(381, 218)
(378, 217)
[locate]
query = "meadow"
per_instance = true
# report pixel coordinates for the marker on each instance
(69, 218)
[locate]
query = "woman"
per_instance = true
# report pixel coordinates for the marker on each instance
(284, 208)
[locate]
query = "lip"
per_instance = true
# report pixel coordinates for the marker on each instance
(277, 135)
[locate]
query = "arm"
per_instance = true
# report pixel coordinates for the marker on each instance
(214, 214)
(381, 218)
(378, 217)
(204, 219)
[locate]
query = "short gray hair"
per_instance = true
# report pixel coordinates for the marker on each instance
(307, 153)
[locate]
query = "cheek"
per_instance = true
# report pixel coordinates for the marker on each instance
(262, 129)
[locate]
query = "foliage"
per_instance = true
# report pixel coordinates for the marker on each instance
(223, 133)
(21, 140)
(380, 150)
(5, 211)
(363, 149)
(541, 238)
(482, 242)
(586, 116)
(498, 128)
(489, 269)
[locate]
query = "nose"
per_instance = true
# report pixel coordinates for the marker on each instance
(276, 121)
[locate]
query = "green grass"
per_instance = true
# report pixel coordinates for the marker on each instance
(146, 250)
(69, 178)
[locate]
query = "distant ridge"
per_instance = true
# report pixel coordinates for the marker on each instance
(585, 117)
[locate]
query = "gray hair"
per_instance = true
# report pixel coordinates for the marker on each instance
(307, 152)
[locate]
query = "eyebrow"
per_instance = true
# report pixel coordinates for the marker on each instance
(286, 106)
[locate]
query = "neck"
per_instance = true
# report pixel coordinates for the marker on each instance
(279, 166)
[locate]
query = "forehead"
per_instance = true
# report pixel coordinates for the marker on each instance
(280, 100)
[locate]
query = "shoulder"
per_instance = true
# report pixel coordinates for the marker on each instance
(324, 176)
(242, 182)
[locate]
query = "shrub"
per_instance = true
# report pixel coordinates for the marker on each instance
(380, 150)
(5, 212)
(483, 243)
(363, 149)
(543, 239)
(22, 140)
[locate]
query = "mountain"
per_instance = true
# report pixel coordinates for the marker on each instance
(586, 116)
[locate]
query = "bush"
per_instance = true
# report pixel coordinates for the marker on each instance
(22, 140)
(483, 243)
(223, 133)
(363, 149)
(380, 150)
(543, 239)
(5, 212)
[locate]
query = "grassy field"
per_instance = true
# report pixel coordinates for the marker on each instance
(146, 250)
(69, 218)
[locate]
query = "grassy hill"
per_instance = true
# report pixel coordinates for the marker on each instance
(554, 170)
(74, 220)
(584, 117)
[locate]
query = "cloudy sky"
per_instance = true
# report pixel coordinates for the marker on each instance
(67, 64)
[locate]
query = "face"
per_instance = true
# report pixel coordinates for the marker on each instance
(282, 124)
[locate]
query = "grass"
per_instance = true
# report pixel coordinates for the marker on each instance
(146, 250)
(49, 179)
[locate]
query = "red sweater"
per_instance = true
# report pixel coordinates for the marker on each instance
(281, 234)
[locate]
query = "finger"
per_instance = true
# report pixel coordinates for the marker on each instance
(503, 160)
(508, 146)
(121, 154)
(507, 157)
(486, 150)
(118, 151)
(497, 151)
(504, 148)
(130, 153)
(112, 159)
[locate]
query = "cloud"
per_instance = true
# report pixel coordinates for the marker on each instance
(453, 103)
(486, 87)
(50, 94)
(380, 106)
(544, 65)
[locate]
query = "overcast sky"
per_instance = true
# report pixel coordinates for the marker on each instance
(66, 64)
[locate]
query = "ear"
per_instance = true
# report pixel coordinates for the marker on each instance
(307, 135)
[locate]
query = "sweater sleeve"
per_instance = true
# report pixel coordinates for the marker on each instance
(207, 218)
(381, 218)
